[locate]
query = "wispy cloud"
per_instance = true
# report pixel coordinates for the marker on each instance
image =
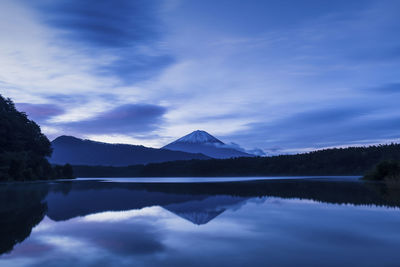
(126, 119)
(279, 75)
(389, 88)
(126, 34)
(40, 112)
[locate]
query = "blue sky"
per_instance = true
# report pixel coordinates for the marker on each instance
(281, 76)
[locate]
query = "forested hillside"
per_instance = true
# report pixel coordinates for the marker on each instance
(23, 148)
(338, 161)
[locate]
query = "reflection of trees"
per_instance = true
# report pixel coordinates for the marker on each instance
(22, 206)
(389, 191)
(87, 197)
(334, 192)
(21, 209)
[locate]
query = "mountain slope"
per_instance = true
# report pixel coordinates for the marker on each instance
(68, 149)
(202, 142)
(202, 211)
(198, 137)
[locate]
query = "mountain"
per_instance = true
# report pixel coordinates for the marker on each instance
(203, 142)
(197, 137)
(94, 197)
(190, 201)
(69, 149)
(202, 211)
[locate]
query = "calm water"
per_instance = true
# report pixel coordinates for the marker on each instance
(291, 222)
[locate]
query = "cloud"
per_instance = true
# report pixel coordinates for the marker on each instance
(275, 74)
(253, 151)
(135, 67)
(125, 119)
(389, 88)
(40, 112)
(125, 34)
(101, 23)
(325, 127)
(256, 151)
(74, 99)
(129, 238)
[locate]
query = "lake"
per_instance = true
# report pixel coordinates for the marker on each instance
(326, 221)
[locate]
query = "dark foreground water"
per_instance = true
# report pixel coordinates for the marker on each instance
(303, 222)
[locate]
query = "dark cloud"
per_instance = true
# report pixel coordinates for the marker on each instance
(132, 118)
(107, 24)
(118, 29)
(39, 112)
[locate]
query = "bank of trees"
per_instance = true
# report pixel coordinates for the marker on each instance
(388, 170)
(24, 148)
(337, 161)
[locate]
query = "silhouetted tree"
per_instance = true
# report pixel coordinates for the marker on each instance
(21, 208)
(23, 147)
(388, 170)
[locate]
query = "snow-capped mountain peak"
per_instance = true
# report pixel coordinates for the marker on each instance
(206, 144)
(199, 137)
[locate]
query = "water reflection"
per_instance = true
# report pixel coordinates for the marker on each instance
(71, 199)
(21, 209)
(126, 223)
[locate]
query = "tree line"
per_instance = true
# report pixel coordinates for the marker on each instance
(24, 148)
(336, 161)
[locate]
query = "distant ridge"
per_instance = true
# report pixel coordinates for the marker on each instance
(202, 142)
(76, 151)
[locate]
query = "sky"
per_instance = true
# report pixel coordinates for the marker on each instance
(276, 76)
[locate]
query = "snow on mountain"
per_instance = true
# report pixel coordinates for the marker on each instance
(198, 137)
(203, 142)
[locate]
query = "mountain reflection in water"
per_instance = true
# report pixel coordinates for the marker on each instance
(63, 206)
